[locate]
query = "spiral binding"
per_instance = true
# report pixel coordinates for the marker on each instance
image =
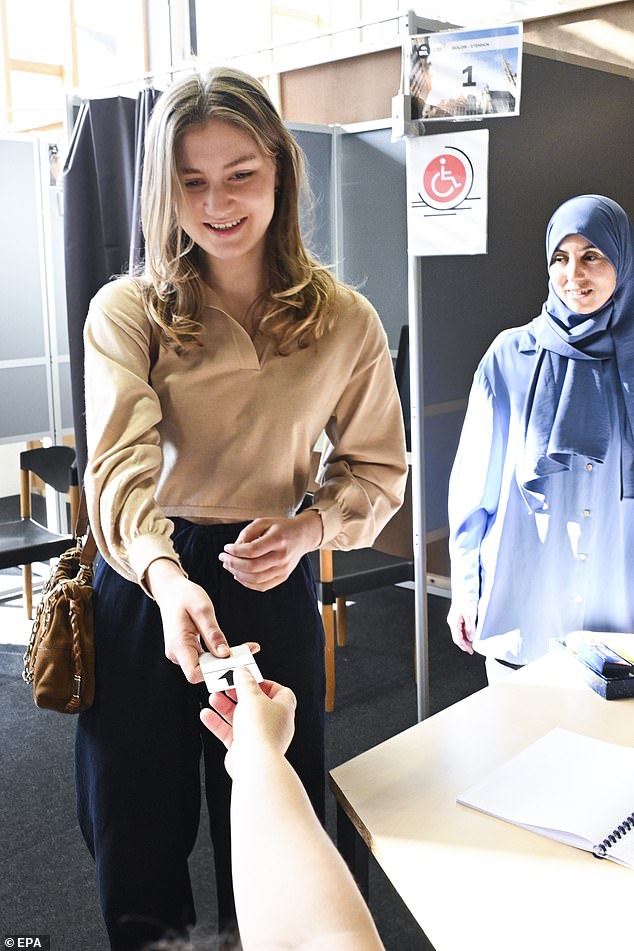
(601, 850)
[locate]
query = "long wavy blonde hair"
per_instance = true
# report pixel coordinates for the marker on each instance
(297, 305)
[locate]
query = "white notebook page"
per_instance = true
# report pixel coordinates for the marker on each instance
(571, 787)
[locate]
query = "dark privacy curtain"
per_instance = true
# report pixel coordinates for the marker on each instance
(144, 106)
(102, 230)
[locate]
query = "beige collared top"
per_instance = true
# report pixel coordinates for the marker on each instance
(225, 431)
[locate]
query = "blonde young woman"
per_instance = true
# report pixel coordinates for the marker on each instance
(209, 379)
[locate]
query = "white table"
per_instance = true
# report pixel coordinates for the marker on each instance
(473, 882)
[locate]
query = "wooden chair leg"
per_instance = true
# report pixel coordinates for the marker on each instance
(27, 588)
(73, 494)
(328, 618)
(25, 494)
(342, 622)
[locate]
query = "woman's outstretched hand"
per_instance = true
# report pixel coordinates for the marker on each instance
(189, 619)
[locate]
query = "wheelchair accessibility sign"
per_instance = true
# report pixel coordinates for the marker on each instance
(447, 180)
(447, 193)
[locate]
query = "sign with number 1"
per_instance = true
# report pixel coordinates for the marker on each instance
(463, 74)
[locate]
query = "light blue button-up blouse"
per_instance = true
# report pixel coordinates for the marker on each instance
(539, 575)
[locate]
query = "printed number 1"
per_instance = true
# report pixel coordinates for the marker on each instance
(468, 71)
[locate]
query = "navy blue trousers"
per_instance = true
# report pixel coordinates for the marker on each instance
(138, 749)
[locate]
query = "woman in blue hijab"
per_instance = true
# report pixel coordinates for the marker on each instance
(541, 496)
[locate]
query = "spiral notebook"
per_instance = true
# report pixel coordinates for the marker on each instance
(572, 788)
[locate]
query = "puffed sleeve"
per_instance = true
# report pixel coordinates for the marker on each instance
(474, 486)
(363, 469)
(124, 452)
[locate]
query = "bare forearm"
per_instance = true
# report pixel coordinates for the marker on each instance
(298, 892)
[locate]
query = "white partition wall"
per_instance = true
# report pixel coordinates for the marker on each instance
(34, 368)
(318, 218)
(373, 243)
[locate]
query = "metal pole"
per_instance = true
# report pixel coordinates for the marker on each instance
(418, 482)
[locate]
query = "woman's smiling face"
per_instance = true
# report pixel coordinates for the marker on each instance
(583, 278)
(229, 191)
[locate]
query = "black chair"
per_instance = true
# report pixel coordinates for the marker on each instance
(25, 541)
(341, 574)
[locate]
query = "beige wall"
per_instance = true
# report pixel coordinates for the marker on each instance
(602, 36)
(347, 90)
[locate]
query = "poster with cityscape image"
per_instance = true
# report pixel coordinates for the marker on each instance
(459, 74)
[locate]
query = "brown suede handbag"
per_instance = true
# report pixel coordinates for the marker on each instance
(60, 658)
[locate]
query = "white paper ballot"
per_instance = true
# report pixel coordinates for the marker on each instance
(218, 671)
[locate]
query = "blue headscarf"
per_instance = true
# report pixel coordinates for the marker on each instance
(567, 410)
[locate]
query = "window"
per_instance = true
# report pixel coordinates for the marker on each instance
(49, 48)
(33, 63)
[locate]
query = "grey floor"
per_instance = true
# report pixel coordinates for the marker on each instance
(46, 874)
